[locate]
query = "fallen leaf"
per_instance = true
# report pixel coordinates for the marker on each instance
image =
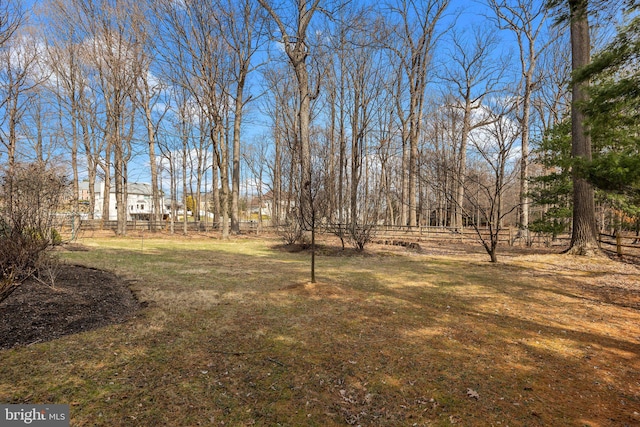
(473, 394)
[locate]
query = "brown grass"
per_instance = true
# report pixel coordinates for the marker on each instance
(235, 335)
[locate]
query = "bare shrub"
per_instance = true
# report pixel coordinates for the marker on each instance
(48, 269)
(31, 195)
(361, 235)
(291, 233)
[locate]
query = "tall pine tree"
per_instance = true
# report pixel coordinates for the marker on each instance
(552, 190)
(613, 114)
(584, 231)
(605, 131)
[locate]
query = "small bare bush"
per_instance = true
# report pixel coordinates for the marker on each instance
(31, 195)
(361, 235)
(291, 233)
(48, 269)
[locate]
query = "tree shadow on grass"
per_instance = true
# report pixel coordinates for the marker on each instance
(378, 341)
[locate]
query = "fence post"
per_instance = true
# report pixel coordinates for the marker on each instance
(618, 243)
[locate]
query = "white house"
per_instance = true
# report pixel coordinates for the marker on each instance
(286, 206)
(139, 201)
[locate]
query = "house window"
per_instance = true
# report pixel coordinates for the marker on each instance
(141, 207)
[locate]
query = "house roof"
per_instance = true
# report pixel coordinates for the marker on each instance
(138, 188)
(133, 188)
(269, 195)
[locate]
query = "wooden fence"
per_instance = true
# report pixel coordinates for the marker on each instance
(622, 244)
(143, 225)
(393, 234)
(380, 232)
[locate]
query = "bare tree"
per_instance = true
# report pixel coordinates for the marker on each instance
(417, 33)
(493, 144)
(20, 75)
(196, 58)
(444, 132)
(255, 156)
(335, 88)
(363, 71)
(11, 17)
(64, 62)
(149, 91)
(552, 101)
(281, 105)
(67, 59)
(527, 20)
(199, 162)
(386, 131)
(294, 39)
(241, 27)
(111, 44)
(473, 74)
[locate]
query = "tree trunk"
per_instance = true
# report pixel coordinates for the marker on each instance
(331, 174)
(11, 149)
(174, 193)
(120, 176)
(184, 185)
(584, 232)
(276, 214)
(462, 165)
(221, 156)
(404, 208)
(106, 198)
(235, 179)
(342, 164)
(156, 211)
(74, 156)
(215, 194)
(413, 173)
(355, 159)
(524, 165)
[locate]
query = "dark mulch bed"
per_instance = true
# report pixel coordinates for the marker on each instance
(82, 299)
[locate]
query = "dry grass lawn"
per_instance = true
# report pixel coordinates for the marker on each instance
(235, 335)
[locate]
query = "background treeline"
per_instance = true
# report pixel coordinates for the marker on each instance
(404, 112)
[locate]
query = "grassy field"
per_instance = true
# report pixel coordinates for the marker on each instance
(233, 334)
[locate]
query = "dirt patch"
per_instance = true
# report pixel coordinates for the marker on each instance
(315, 289)
(82, 299)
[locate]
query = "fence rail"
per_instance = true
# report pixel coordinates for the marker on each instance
(142, 225)
(623, 244)
(508, 235)
(398, 232)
